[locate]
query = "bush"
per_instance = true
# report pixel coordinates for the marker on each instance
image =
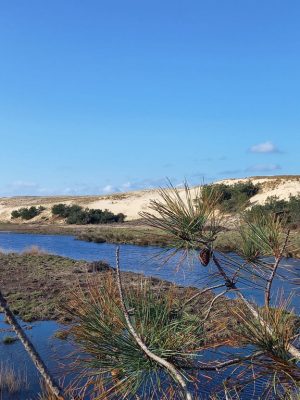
(231, 198)
(284, 209)
(60, 210)
(75, 214)
(27, 213)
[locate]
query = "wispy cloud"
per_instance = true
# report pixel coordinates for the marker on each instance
(266, 147)
(27, 188)
(252, 168)
(21, 188)
(135, 185)
(263, 168)
(230, 172)
(110, 189)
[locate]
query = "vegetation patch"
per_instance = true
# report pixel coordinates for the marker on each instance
(47, 281)
(76, 214)
(62, 334)
(285, 209)
(231, 198)
(11, 381)
(9, 339)
(27, 213)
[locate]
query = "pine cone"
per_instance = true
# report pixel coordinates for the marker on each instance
(204, 257)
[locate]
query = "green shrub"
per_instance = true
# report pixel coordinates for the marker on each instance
(60, 210)
(285, 209)
(231, 198)
(27, 213)
(15, 214)
(75, 214)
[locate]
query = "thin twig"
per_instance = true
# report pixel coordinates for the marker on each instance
(199, 294)
(212, 303)
(164, 363)
(219, 365)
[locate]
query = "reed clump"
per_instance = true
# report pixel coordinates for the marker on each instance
(12, 381)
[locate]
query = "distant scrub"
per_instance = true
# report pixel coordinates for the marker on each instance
(285, 209)
(231, 198)
(75, 214)
(33, 250)
(27, 213)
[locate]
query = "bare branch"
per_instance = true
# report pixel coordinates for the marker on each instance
(164, 363)
(38, 362)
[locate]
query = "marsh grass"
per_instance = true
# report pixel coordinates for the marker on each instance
(33, 250)
(9, 340)
(12, 381)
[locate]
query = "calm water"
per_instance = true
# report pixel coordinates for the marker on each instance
(53, 351)
(146, 260)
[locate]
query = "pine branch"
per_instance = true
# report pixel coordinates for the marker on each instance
(274, 270)
(164, 363)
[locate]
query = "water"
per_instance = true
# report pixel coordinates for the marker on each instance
(53, 351)
(133, 258)
(145, 260)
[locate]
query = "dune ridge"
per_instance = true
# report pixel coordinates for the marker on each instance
(132, 203)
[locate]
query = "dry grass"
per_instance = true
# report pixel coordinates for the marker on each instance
(12, 381)
(33, 250)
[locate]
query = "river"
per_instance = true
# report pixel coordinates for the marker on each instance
(146, 260)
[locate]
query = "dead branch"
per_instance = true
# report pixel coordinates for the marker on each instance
(29, 347)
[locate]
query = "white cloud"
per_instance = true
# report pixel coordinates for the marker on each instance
(124, 187)
(266, 147)
(110, 189)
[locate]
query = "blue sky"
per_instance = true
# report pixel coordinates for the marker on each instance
(99, 96)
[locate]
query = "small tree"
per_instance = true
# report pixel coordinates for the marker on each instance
(136, 339)
(142, 342)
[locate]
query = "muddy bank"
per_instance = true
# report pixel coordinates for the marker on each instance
(37, 286)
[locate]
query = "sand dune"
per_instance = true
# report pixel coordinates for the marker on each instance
(132, 203)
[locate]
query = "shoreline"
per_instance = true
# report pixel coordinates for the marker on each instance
(47, 280)
(133, 233)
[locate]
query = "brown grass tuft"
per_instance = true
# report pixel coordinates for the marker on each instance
(34, 250)
(11, 381)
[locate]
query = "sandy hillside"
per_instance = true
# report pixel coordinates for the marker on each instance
(132, 203)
